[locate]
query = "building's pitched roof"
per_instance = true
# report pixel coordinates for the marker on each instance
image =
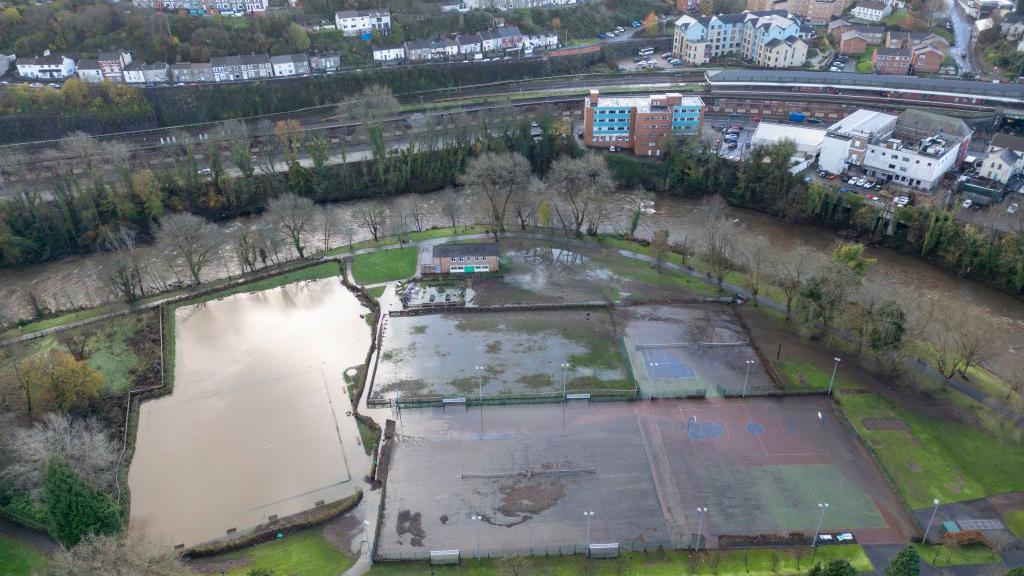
(51, 60)
(465, 249)
(893, 52)
(88, 65)
(871, 5)
(289, 58)
(361, 14)
(1003, 140)
(467, 39)
(240, 60)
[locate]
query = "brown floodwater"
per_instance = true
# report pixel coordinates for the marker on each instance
(75, 281)
(258, 424)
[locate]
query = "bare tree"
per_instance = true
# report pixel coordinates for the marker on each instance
(600, 211)
(77, 341)
(328, 225)
(417, 214)
(294, 215)
(790, 270)
(189, 237)
(578, 183)
(718, 250)
(974, 338)
(659, 247)
(754, 254)
(123, 275)
(498, 178)
(270, 240)
(373, 217)
(128, 554)
(452, 208)
(245, 243)
(12, 162)
(524, 206)
(82, 444)
(82, 148)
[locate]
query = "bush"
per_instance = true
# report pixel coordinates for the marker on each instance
(74, 508)
(965, 538)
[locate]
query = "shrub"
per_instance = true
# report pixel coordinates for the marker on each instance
(76, 509)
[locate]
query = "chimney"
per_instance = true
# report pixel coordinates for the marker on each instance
(593, 97)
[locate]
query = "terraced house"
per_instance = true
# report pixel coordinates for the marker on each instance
(642, 123)
(772, 39)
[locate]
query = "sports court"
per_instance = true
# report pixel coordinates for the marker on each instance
(678, 351)
(760, 466)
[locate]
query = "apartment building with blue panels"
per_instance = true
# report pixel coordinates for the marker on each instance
(640, 123)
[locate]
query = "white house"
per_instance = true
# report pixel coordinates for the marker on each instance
(544, 40)
(5, 63)
(89, 71)
(47, 67)
(441, 49)
(290, 65)
(469, 44)
(388, 53)
(871, 11)
(356, 22)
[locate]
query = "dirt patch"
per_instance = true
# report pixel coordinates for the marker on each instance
(342, 531)
(524, 499)
(412, 524)
(896, 424)
(536, 381)
(214, 566)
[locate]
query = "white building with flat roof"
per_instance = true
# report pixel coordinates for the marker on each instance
(807, 140)
(847, 140)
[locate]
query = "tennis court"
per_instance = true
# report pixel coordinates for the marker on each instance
(664, 363)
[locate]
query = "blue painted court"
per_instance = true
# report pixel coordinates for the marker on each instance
(663, 364)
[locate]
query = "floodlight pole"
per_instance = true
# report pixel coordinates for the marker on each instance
(700, 527)
(821, 516)
(476, 518)
(835, 367)
(746, 378)
(588, 514)
(565, 392)
(480, 380)
(930, 520)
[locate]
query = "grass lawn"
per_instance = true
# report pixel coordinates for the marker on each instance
(1015, 522)
(943, 555)
(864, 64)
(814, 377)
(385, 265)
(756, 562)
(16, 559)
(376, 293)
(54, 321)
(932, 458)
(431, 234)
(303, 553)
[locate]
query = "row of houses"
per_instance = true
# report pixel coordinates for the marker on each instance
(203, 7)
(771, 39)
(896, 51)
(502, 40)
(822, 11)
(118, 67)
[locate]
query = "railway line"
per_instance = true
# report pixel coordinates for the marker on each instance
(435, 107)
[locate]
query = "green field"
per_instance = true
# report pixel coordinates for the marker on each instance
(431, 234)
(1015, 522)
(376, 293)
(813, 376)
(960, 556)
(755, 562)
(304, 553)
(16, 559)
(933, 458)
(384, 265)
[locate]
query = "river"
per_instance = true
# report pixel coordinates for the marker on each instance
(75, 281)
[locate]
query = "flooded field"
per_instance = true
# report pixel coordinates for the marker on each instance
(643, 468)
(257, 425)
(680, 350)
(518, 353)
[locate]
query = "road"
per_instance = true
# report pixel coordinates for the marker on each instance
(963, 29)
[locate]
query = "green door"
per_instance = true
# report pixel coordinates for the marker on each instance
(469, 269)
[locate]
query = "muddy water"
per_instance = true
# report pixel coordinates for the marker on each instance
(75, 281)
(257, 424)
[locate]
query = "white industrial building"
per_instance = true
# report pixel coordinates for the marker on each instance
(807, 140)
(914, 149)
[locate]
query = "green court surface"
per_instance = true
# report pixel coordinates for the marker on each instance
(784, 498)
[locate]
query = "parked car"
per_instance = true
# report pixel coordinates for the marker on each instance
(675, 62)
(845, 537)
(666, 55)
(825, 538)
(967, 203)
(1012, 208)
(636, 24)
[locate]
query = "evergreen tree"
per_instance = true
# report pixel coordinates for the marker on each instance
(906, 563)
(75, 508)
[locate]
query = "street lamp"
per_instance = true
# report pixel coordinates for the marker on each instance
(476, 518)
(821, 516)
(930, 520)
(700, 525)
(746, 378)
(833, 380)
(565, 367)
(480, 380)
(588, 514)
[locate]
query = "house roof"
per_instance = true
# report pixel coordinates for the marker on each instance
(51, 60)
(429, 44)
(289, 58)
(111, 55)
(466, 39)
(390, 47)
(88, 65)
(456, 249)
(240, 60)
(1003, 140)
(361, 14)
(893, 52)
(871, 5)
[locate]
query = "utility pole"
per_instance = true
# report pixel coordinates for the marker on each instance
(822, 506)
(588, 514)
(832, 381)
(700, 526)
(930, 520)
(746, 378)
